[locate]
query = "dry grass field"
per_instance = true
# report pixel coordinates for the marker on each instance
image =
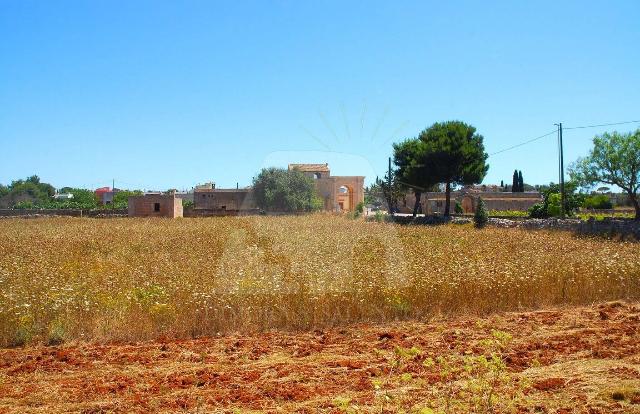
(313, 314)
(65, 279)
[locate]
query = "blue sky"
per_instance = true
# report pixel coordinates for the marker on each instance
(161, 94)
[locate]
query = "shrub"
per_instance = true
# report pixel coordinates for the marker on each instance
(458, 208)
(538, 210)
(481, 217)
(597, 202)
(554, 205)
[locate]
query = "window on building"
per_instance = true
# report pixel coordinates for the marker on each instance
(317, 175)
(156, 207)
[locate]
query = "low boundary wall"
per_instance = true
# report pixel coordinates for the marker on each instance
(26, 213)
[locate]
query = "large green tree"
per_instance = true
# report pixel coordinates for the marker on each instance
(413, 170)
(279, 189)
(29, 192)
(614, 159)
(454, 153)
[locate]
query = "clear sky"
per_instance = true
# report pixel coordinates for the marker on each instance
(161, 94)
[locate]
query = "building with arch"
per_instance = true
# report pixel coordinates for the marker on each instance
(339, 193)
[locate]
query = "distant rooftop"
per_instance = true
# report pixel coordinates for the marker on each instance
(310, 167)
(221, 190)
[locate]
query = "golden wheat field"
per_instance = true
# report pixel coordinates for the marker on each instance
(133, 279)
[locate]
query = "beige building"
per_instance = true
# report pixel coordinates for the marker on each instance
(434, 202)
(339, 193)
(224, 200)
(155, 205)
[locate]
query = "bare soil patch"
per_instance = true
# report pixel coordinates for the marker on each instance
(583, 360)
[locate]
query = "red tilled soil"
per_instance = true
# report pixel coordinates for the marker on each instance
(583, 360)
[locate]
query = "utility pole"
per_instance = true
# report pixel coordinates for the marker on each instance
(389, 187)
(561, 170)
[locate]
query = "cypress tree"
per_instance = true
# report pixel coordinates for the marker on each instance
(520, 182)
(514, 185)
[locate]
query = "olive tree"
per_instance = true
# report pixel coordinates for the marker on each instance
(615, 160)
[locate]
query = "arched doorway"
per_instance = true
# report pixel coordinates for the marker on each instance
(344, 198)
(468, 204)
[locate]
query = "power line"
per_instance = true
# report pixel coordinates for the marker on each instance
(602, 125)
(564, 128)
(524, 143)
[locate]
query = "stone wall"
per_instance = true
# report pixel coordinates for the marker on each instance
(101, 213)
(434, 202)
(627, 229)
(199, 212)
(624, 229)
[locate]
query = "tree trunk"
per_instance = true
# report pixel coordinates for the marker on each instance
(447, 202)
(636, 204)
(416, 206)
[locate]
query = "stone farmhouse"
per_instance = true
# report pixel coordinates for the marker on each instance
(338, 193)
(155, 205)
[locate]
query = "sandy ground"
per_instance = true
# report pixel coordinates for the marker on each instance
(583, 360)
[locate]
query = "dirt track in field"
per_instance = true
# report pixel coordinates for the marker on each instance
(574, 360)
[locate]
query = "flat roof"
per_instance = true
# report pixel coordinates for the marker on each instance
(310, 167)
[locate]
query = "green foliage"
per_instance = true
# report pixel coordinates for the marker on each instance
(447, 152)
(614, 159)
(121, 198)
(387, 193)
(360, 207)
(538, 210)
(508, 213)
(187, 203)
(480, 217)
(517, 185)
(551, 205)
(85, 199)
(597, 202)
(412, 172)
(32, 193)
(26, 191)
(279, 189)
(554, 205)
(458, 208)
(454, 154)
(520, 182)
